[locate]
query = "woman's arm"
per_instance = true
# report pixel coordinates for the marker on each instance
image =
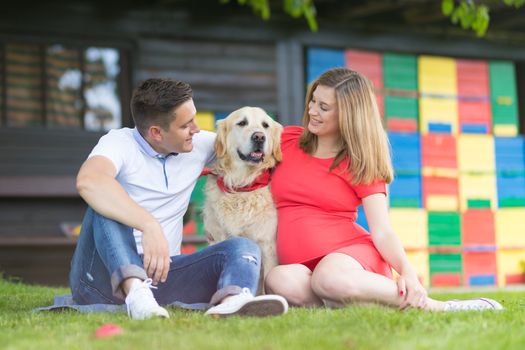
(391, 249)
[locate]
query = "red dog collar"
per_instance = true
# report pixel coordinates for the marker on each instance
(261, 181)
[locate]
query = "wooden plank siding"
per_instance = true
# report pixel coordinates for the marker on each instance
(37, 152)
(37, 193)
(37, 264)
(224, 75)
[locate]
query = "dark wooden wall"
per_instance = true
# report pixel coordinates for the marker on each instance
(38, 151)
(37, 195)
(225, 75)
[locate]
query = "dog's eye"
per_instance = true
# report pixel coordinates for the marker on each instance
(243, 122)
(265, 125)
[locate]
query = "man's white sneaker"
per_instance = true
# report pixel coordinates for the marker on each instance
(245, 304)
(479, 304)
(141, 303)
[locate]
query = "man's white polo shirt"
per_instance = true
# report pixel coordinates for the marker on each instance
(161, 184)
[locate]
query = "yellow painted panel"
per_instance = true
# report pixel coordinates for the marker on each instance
(509, 262)
(411, 226)
(477, 187)
(476, 153)
(438, 110)
(510, 227)
(437, 75)
(440, 172)
(419, 260)
(438, 202)
(505, 130)
(206, 121)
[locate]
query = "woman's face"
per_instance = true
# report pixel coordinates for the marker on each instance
(323, 112)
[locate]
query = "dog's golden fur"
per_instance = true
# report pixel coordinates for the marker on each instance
(248, 214)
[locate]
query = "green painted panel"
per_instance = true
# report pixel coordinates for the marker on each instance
(478, 203)
(400, 71)
(404, 203)
(511, 202)
(200, 227)
(444, 228)
(401, 107)
(445, 263)
(503, 95)
(197, 196)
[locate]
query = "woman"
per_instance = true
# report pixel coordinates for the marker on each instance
(338, 161)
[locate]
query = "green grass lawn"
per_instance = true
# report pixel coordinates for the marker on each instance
(354, 327)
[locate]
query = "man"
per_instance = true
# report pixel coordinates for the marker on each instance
(137, 183)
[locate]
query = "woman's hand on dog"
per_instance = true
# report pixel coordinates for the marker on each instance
(156, 253)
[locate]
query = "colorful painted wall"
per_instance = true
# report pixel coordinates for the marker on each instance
(458, 198)
(193, 225)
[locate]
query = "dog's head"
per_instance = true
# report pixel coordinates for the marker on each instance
(248, 136)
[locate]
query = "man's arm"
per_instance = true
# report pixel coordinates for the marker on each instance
(97, 185)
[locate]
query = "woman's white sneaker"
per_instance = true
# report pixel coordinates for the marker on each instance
(479, 304)
(245, 304)
(141, 303)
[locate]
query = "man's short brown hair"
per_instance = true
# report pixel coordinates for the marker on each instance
(154, 100)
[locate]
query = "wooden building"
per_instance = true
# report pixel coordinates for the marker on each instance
(67, 69)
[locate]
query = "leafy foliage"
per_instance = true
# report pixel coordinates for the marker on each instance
(294, 8)
(469, 14)
(472, 15)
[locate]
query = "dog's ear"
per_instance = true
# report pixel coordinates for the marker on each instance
(220, 141)
(277, 129)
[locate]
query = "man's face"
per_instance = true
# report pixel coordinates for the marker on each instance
(179, 137)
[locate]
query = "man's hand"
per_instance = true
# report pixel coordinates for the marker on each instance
(156, 253)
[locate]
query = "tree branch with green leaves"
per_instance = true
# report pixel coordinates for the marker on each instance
(469, 14)
(472, 15)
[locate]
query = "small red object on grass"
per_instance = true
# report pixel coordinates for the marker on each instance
(108, 330)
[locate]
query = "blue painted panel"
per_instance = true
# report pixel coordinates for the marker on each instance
(222, 115)
(319, 60)
(511, 187)
(406, 152)
(406, 187)
(474, 129)
(440, 128)
(482, 280)
(510, 155)
(361, 217)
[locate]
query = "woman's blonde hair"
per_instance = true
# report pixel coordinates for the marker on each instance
(363, 140)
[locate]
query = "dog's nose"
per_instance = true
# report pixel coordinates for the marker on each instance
(258, 137)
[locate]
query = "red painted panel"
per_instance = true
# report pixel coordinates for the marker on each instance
(475, 112)
(477, 227)
(188, 249)
(472, 78)
(190, 228)
(445, 280)
(439, 185)
(380, 104)
(439, 150)
(479, 263)
(402, 125)
(515, 279)
(368, 63)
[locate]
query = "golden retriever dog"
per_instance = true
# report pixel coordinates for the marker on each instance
(238, 199)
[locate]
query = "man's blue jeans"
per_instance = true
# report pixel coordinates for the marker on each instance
(106, 255)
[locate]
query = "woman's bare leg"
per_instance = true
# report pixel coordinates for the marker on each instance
(340, 278)
(293, 282)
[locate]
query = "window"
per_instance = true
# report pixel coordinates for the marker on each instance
(59, 86)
